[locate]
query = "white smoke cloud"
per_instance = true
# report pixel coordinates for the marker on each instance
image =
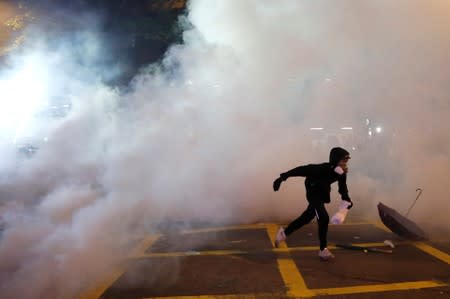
(202, 136)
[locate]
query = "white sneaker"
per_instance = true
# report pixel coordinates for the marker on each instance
(325, 255)
(280, 237)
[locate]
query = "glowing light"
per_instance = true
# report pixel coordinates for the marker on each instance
(316, 129)
(378, 130)
(21, 95)
(346, 128)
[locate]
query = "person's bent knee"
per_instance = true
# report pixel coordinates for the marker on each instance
(324, 219)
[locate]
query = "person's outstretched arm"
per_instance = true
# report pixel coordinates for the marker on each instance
(302, 171)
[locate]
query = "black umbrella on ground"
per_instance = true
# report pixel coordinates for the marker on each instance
(399, 224)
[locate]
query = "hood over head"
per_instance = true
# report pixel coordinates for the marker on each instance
(337, 154)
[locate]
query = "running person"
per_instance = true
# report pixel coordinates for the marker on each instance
(319, 177)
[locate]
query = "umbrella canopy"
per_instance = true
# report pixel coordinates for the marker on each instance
(399, 224)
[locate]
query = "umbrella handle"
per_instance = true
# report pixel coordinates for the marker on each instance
(419, 193)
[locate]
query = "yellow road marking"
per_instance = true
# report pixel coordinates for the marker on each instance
(189, 253)
(332, 246)
(252, 226)
(353, 223)
(188, 297)
(292, 278)
(400, 286)
(224, 228)
(283, 248)
(296, 286)
(388, 287)
(433, 251)
(100, 287)
(145, 244)
(230, 296)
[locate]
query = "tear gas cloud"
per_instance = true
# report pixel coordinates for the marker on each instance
(201, 135)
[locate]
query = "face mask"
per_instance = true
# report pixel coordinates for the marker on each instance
(339, 170)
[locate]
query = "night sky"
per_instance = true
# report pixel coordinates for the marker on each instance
(136, 33)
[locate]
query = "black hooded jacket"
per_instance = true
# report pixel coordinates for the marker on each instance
(319, 177)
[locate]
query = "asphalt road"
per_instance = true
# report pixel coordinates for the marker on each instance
(240, 262)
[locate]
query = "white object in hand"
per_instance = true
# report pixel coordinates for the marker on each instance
(339, 217)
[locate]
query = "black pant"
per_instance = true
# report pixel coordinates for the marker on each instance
(314, 209)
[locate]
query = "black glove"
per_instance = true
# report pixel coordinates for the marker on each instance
(277, 183)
